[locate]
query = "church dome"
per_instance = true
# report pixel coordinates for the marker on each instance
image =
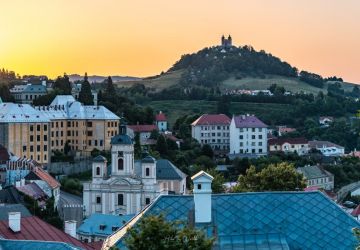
(121, 139)
(148, 159)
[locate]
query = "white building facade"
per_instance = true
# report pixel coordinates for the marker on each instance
(248, 136)
(127, 187)
(212, 129)
(327, 148)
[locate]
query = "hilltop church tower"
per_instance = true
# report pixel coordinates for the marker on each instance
(226, 42)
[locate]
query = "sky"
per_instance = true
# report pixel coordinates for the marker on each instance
(143, 38)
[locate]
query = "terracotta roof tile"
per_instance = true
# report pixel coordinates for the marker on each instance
(281, 141)
(33, 228)
(160, 117)
(143, 128)
(46, 177)
(217, 119)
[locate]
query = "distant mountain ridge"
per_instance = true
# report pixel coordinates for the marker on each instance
(99, 79)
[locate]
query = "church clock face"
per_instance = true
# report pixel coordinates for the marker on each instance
(121, 154)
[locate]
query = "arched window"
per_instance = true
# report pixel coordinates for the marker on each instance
(147, 171)
(98, 171)
(120, 164)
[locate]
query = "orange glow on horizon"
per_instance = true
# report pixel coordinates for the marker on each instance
(142, 38)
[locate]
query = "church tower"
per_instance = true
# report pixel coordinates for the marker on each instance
(122, 155)
(99, 168)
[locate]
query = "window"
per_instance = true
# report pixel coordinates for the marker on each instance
(218, 127)
(260, 136)
(31, 128)
(147, 201)
(253, 143)
(120, 199)
(147, 171)
(45, 148)
(253, 151)
(31, 138)
(101, 143)
(61, 124)
(45, 137)
(260, 129)
(241, 151)
(253, 137)
(89, 142)
(89, 133)
(38, 127)
(199, 186)
(38, 158)
(68, 133)
(260, 150)
(45, 127)
(253, 129)
(89, 124)
(241, 144)
(98, 199)
(260, 143)
(98, 171)
(38, 147)
(241, 130)
(120, 164)
(24, 148)
(96, 142)
(241, 137)
(69, 124)
(213, 134)
(38, 138)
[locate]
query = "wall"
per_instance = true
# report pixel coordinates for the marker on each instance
(68, 168)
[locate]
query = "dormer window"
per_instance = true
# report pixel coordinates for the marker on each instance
(102, 227)
(199, 186)
(98, 171)
(147, 171)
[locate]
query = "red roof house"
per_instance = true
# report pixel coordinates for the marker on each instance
(33, 228)
(212, 119)
(160, 117)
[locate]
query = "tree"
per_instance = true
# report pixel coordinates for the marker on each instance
(63, 84)
(161, 145)
(137, 145)
(356, 232)
(154, 232)
(207, 150)
(110, 89)
(154, 134)
(217, 184)
(5, 93)
(67, 148)
(85, 95)
(275, 177)
(223, 105)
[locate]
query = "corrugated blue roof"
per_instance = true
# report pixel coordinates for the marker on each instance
(287, 220)
(35, 245)
(91, 225)
(35, 89)
(165, 170)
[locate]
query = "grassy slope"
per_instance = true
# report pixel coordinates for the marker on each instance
(291, 84)
(164, 81)
(174, 109)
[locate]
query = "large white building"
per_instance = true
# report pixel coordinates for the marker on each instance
(213, 130)
(127, 186)
(248, 136)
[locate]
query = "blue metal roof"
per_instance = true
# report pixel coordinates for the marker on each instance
(33, 88)
(165, 170)
(91, 225)
(121, 139)
(34, 245)
(268, 220)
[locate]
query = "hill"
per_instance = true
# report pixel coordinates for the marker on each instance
(235, 68)
(99, 79)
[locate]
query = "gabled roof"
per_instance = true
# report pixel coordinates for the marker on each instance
(32, 190)
(312, 172)
(91, 225)
(201, 173)
(165, 170)
(143, 128)
(212, 119)
(35, 88)
(292, 220)
(281, 141)
(160, 117)
(121, 139)
(35, 229)
(323, 144)
(248, 121)
(40, 174)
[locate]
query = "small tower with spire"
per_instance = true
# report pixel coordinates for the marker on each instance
(226, 42)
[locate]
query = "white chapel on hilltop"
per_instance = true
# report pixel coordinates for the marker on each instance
(126, 186)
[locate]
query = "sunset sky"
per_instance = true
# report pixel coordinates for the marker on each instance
(142, 37)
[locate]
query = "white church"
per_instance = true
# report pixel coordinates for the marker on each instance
(127, 186)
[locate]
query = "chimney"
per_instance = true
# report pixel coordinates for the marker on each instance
(15, 221)
(22, 182)
(202, 196)
(70, 228)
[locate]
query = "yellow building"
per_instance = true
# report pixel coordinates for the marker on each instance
(25, 131)
(36, 132)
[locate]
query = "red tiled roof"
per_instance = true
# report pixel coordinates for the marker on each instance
(46, 177)
(33, 228)
(286, 130)
(218, 119)
(160, 117)
(281, 141)
(143, 128)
